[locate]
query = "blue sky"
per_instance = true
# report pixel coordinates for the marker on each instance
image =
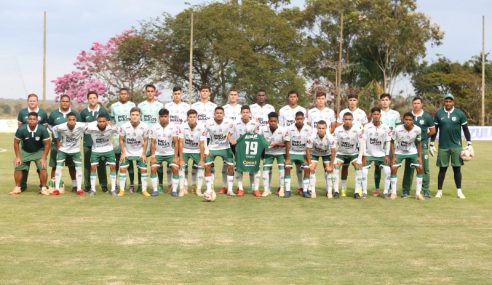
(74, 25)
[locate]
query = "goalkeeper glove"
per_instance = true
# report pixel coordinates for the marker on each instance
(432, 149)
(470, 149)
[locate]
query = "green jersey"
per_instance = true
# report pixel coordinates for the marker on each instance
(87, 115)
(120, 112)
(58, 117)
(449, 124)
(425, 122)
(32, 140)
(249, 149)
(390, 118)
(42, 116)
(150, 112)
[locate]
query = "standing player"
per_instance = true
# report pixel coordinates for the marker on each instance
(102, 150)
(220, 133)
(204, 107)
(377, 137)
(59, 117)
(88, 115)
(232, 113)
(35, 142)
(260, 110)
(278, 137)
(323, 147)
(120, 114)
(192, 140)
(300, 135)
(321, 112)
(68, 136)
(243, 126)
(348, 138)
(449, 121)
(425, 122)
(406, 145)
(359, 119)
(133, 142)
(389, 117)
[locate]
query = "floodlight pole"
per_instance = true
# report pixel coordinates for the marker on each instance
(44, 59)
(190, 76)
(482, 119)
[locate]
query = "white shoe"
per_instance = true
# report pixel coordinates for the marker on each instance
(266, 193)
(231, 193)
(281, 192)
(439, 194)
(329, 195)
(44, 191)
(461, 195)
(313, 194)
(419, 196)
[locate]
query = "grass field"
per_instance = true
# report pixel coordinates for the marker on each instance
(138, 240)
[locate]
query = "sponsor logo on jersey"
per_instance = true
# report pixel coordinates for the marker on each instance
(149, 118)
(163, 143)
(375, 141)
(121, 118)
(133, 141)
(202, 117)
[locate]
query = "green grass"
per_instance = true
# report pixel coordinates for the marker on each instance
(138, 240)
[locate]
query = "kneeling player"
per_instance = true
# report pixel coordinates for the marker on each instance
(164, 148)
(406, 145)
(323, 147)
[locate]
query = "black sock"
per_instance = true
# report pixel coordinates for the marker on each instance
(457, 176)
(440, 177)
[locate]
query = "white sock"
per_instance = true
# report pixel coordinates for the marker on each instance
(358, 180)
(58, 175)
(224, 175)
(256, 181)
(365, 172)
(194, 176)
(112, 177)
(239, 178)
(281, 176)
(181, 178)
(300, 179)
(144, 182)
(312, 181)
(329, 182)
(419, 184)
(287, 183)
(122, 181)
(251, 181)
(305, 184)
(394, 183)
(78, 177)
(93, 181)
(266, 180)
(199, 178)
(230, 182)
(154, 180)
(175, 183)
(387, 178)
(344, 184)
(209, 181)
(336, 179)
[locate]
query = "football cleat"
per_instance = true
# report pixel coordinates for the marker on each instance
(427, 194)
(439, 194)
(336, 195)
(300, 191)
(356, 195)
(419, 197)
(16, 191)
(231, 193)
(329, 195)
(344, 193)
(55, 192)
(114, 194)
(364, 195)
(256, 193)
(155, 193)
(306, 194)
(461, 195)
(74, 189)
(286, 194)
(80, 193)
(223, 190)
(145, 193)
(393, 196)
(266, 193)
(161, 189)
(281, 192)
(313, 194)
(405, 195)
(199, 193)
(131, 189)
(44, 191)
(376, 194)
(174, 194)
(92, 193)
(240, 193)
(104, 189)
(122, 193)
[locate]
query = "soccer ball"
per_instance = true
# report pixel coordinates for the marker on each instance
(51, 186)
(209, 196)
(466, 155)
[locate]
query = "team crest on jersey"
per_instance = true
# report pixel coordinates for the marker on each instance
(421, 122)
(453, 119)
(37, 138)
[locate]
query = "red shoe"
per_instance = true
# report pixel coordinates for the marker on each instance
(300, 191)
(223, 190)
(81, 193)
(256, 193)
(55, 192)
(240, 193)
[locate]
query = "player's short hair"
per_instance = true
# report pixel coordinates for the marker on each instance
(353, 96)
(163, 112)
(385, 95)
(71, 114)
(177, 88)
(150, 86)
(102, 115)
(32, 114)
(135, 109)
(124, 89)
(191, 112)
(219, 108)
(245, 107)
(348, 114)
(65, 96)
(261, 90)
(409, 114)
(272, 115)
(322, 122)
(92, 92)
(299, 113)
(320, 94)
(203, 87)
(292, 92)
(375, 109)
(233, 89)
(32, 95)
(416, 98)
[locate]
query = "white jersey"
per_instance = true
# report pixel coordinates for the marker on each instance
(260, 114)
(101, 140)
(232, 113)
(390, 118)
(218, 134)
(120, 112)
(287, 115)
(70, 139)
(322, 146)
(405, 141)
(205, 111)
(300, 139)
(164, 138)
(177, 112)
(134, 138)
(280, 135)
(315, 115)
(360, 117)
(150, 112)
(347, 141)
(192, 137)
(241, 128)
(377, 140)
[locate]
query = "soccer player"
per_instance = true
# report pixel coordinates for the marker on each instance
(300, 136)
(425, 121)
(232, 113)
(389, 117)
(278, 137)
(359, 119)
(59, 117)
(164, 148)
(35, 147)
(120, 114)
(260, 110)
(102, 135)
(348, 137)
(88, 115)
(220, 133)
(377, 138)
(68, 136)
(133, 142)
(243, 126)
(321, 112)
(323, 146)
(204, 107)
(192, 140)
(406, 145)
(449, 122)
(32, 106)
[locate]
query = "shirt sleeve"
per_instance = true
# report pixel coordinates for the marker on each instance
(19, 117)
(18, 134)
(44, 134)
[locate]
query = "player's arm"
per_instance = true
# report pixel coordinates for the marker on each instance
(123, 147)
(231, 139)
(392, 152)
(287, 152)
(17, 151)
(143, 156)
(19, 120)
(333, 156)
(418, 143)
(47, 143)
(177, 152)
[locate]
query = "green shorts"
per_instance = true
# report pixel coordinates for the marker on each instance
(270, 158)
(27, 157)
(107, 156)
(347, 159)
(226, 155)
(453, 154)
(140, 163)
(53, 158)
(169, 159)
(409, 157)
(195, 157)
(378, 161)
(325, 158)
(297, 159)
(61, 157)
